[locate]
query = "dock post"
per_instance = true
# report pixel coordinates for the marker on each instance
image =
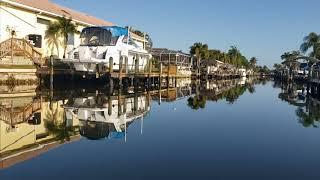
(109, 106)
(160, 74)
(135, 102)
(111, 65)
(120, 72)
(120, 102)
(160, 83)
(150, 67)
(136, 67)
(126, 65)
(51, 73)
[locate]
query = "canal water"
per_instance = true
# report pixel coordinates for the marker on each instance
(237, 129)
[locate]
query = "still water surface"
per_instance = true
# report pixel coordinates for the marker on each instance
(253, 130)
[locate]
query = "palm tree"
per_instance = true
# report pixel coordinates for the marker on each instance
(277, 66)
(201, 49)
(235, 54)
(290, 60)
(63, 27)
(52, 36)
(66, 27)
(311, 41)
(253, 62)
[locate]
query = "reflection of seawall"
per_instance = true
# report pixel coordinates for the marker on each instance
(23, 132)
(29, 153)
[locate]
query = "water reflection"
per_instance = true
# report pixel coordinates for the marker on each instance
(306, 102)
(35, 120)
(228, 90)
(103, 116)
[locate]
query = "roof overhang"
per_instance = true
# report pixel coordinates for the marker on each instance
(40, 11)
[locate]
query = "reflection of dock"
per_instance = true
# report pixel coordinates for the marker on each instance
(95, 114)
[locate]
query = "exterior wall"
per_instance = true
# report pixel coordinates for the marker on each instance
(24, 135)
(24, 22)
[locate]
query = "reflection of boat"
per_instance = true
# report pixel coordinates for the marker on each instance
(243, 72)
(102, 116)
(103, 45)
(294, 94)
(242, 80)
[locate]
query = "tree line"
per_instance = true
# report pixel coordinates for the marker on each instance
(232, 56)
(309, 52)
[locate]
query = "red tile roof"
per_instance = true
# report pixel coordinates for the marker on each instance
(48, 6)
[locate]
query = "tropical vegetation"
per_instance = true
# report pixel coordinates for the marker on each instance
(309, 47)
(62, 28)
(232, 56)
(149, 42)
(57, 127)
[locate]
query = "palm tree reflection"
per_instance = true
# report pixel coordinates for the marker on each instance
(228, 90)
(197, 102)
(57, 128)
(308, 107)
(307, 119)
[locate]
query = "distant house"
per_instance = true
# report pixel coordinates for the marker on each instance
(182, 61)
(210, 66)
(139, 40)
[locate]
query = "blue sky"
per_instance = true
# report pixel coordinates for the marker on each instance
(264, 29)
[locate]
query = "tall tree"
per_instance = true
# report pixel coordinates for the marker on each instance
(52, 37)
(202, 50)
(253, 62)
(62, 28)
(67, 27)
(312, 41)
(234, 53)
(290, 60)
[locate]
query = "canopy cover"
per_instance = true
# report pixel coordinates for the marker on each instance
(115, 30)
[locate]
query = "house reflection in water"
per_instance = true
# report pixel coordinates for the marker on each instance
(306, 102)
(23, 131)
(33, 122)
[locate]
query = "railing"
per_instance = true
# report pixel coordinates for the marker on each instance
(12, 117)
(17, 47)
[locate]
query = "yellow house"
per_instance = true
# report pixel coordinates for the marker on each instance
(29, 19)
(25, 140)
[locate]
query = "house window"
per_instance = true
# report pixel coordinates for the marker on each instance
(70, 39)
(43, 21)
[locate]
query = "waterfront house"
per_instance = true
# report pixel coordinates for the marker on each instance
(29, 19)
(182, 62)
(302, 71)
(210, 66)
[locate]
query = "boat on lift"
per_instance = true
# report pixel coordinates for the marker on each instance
(242, 72)
(105, 46)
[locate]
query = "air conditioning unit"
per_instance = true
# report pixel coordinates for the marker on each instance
(36, 39)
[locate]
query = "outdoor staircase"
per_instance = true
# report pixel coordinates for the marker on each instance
(14, 116)
(20, 49)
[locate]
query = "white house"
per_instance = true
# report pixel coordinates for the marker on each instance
(30, 18)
